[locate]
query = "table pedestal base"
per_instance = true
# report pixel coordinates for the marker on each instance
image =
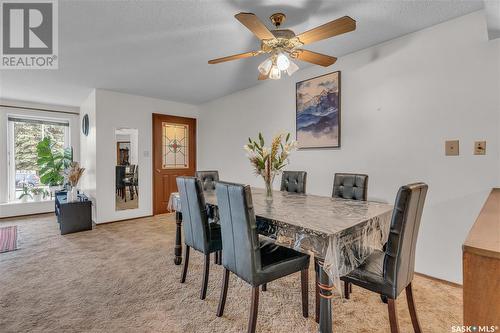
(325, 287)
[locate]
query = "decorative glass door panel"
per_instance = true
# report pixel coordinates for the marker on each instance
(175, 146)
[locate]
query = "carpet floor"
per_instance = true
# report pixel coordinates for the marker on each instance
(120, 277)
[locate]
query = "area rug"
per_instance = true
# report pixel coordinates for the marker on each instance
(8, 239)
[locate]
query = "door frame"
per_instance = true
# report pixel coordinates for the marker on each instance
(157, 151)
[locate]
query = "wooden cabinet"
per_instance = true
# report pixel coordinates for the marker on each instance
(481, 267)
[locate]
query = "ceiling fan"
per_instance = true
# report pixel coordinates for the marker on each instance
(283, 44)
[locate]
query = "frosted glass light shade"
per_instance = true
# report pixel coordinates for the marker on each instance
(275, 73)
(282, 61)
(292, 68)
(265, 66)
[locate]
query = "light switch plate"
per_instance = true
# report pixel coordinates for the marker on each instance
(452, 148)
(480, 148)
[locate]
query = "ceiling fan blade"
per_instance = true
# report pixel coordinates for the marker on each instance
(234, 57)
(315, 58)
(263, 77)
(327, 30)
(252, 22)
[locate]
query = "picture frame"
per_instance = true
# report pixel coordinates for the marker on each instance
(318, 112)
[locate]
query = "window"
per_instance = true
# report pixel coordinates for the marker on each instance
(175, 148)
(24, 135)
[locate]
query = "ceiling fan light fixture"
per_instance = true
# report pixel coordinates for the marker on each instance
(292, 68)
(282, 61)
(275, 73)
(265, 66)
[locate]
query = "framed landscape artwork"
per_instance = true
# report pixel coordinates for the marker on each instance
(318, 112)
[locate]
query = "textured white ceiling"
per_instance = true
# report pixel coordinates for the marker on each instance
(161, 48)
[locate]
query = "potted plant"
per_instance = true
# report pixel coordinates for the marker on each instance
(39, 193)
(73, 175)
(51, 163)
(25, 194)
(269, 161)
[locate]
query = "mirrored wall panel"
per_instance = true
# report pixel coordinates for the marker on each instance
(127, 169)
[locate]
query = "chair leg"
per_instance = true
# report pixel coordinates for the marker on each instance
(185, 267)
(264, 287)
(216, 257)
(304, 284)
(220, 257)
(223, 293)
(347, 292)
(393, 316)
(254, 309)
(206, 271)
(316, 292)
(412, 309)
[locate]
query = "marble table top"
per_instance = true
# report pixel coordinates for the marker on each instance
(318, 214)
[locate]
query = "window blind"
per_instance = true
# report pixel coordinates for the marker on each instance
(39, 121)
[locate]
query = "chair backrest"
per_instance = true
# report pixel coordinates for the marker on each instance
(399, 261)
(194, 213)
(135, 178)
(119, 176)
(240, 243)
(208, 179)
(294, 181)
(350, 186)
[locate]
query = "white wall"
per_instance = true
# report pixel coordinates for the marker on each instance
(21, 108)
(116, 110)
(400, 101)
(88, 148)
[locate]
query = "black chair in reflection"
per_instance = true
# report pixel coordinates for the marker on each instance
(294, 181)
(390, 271)
(131, 181)
(245, 255)
(198, 233)
(119, 181)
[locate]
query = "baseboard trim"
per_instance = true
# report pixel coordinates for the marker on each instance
(123, 220)
(453, 284)
(25, 215)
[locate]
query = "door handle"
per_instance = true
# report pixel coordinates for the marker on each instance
(158, 170)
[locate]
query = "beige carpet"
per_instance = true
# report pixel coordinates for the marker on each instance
(120, 277)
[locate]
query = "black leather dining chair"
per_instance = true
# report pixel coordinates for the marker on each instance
(208, 179)
(389, 272)
(353, 186)
(254, 261)
(198, 233)
(294, 181)
(350, 186)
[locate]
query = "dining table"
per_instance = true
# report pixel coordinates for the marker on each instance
(339, 233)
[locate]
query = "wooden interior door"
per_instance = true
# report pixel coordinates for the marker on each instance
(174, 154)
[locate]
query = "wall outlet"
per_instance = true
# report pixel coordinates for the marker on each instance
(480, 148)
(452, 148)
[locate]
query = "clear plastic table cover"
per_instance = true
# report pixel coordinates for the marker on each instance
(343, 233)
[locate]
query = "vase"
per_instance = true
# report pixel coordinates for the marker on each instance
(269, 191)
(72, 194)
